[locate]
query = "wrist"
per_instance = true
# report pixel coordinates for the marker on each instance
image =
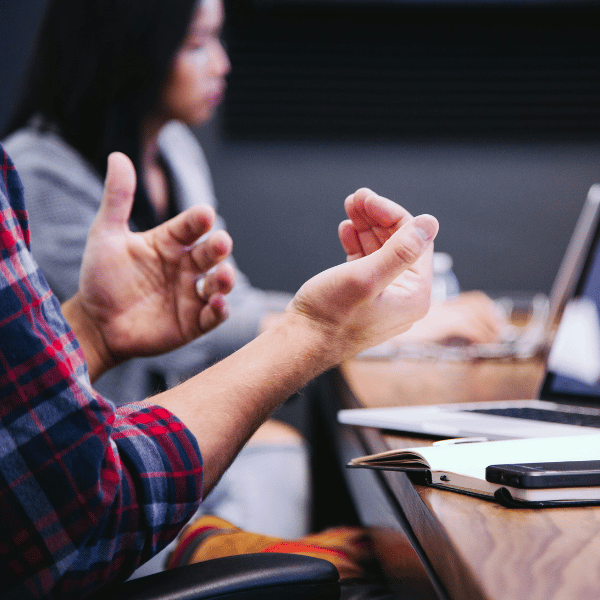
(97, 355)
(317, 346)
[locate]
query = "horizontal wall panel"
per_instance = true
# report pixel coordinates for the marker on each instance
(356, 72)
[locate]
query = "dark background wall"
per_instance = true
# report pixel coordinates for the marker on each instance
(19, 20)
(486, 119)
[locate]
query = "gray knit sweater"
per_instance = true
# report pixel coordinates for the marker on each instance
(63, 193)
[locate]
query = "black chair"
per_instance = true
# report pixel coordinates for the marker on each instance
(261, 576)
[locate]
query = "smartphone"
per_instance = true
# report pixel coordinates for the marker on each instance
(576, 473)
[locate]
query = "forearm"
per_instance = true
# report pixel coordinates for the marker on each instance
(226, 403)
(334, 315)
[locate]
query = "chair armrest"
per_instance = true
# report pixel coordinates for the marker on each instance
(261, 576)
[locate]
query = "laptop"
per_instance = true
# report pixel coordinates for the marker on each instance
(568, 402)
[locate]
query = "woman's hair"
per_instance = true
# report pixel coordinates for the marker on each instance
(97, 71)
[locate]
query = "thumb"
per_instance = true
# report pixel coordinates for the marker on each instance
(403, 249)
(119, 189)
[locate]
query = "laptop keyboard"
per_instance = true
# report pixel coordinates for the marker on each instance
(539, 414)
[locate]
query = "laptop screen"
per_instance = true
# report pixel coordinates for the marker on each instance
(558, 386)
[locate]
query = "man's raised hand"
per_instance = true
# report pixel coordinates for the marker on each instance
(386, 284)
(151, 292)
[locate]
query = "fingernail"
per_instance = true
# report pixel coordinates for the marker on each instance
(424, 235)
(426, 227)
(200, 286)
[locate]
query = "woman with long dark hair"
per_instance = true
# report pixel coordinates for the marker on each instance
(98, 75)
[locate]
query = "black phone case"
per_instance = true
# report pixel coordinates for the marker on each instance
(546, 475)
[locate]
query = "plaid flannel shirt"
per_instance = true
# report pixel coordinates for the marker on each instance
(87, 491)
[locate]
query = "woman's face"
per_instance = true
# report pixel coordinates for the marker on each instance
(196, 83)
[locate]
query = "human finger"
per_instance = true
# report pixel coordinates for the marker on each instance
(470, 332)
(186, 228)
(480, 308)
(219, 281)
(119, 190)
(349, 239)
(374, 217)
(367, 208)
(402, 250)
(212, 250)
(466, 319)
(370, 233)
(213, 313)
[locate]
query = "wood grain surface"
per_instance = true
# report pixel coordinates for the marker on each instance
(478, 548)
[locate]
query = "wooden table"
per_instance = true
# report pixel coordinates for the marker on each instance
(442, 544)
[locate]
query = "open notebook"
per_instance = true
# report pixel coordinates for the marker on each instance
(569, 399)
(460, 466)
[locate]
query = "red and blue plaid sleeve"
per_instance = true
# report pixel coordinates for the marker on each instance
(87, 491)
